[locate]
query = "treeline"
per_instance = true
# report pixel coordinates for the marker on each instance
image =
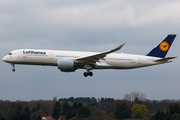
(86, 100)
(173, 113)
(87, 108)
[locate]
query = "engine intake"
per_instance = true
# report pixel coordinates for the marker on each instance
(66, 65)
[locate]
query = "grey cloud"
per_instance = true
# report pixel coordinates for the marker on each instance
(88, 26)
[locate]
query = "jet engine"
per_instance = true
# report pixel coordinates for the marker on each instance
(66, 65)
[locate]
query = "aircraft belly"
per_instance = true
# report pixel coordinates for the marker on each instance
(116, 65)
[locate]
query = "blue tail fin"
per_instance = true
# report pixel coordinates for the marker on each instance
(162, 49)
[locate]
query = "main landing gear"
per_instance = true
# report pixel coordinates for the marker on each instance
(13, 65)
(88, 73)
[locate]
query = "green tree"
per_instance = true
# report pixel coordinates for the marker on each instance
(56, 110)
(139, 111)
(80, 105)
(34, 117)
(1, 117)
(65, 108)
(17, 112)
(24, 116)
(167, 112)
(34, 109)
(157, 116)
(171, 111)
(175, 116)
(167, 117)
(162, 116)
(37, 112)
(71, 99)
(11, 113)
(122, 111)
(75, 105)
(69, 115)
(83, 112)
(27, 113)
(74, 109)
(176, 108)
(38, 106)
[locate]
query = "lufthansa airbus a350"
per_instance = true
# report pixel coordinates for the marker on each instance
(69, 61)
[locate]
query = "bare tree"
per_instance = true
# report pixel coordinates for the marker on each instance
(135, 95)
(54, 99)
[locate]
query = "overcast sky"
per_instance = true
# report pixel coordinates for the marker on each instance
(94, 25)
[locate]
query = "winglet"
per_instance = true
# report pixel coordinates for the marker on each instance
(116, 49)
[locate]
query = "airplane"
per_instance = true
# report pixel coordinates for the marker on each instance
(70, 61)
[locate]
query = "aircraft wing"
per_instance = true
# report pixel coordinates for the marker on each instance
(88, 60)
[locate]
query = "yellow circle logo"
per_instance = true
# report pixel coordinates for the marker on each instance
(164, 46)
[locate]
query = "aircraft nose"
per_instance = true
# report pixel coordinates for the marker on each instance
(4, 58)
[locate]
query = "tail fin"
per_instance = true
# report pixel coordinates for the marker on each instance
(162, 49)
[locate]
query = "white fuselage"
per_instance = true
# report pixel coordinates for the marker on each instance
(51, 57)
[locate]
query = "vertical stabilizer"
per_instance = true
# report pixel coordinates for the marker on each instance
(162, 49)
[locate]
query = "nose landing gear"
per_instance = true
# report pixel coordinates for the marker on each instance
(13, 65)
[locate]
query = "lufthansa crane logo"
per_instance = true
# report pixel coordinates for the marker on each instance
(164, 46)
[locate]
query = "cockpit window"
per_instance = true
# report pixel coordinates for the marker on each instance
(9, 53)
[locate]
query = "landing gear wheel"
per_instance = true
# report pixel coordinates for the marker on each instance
(13, 70)
(90, 74)
(85, 74)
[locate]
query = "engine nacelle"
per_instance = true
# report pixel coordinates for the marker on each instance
(66, 65)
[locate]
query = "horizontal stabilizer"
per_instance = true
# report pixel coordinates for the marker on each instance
(164, 59)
